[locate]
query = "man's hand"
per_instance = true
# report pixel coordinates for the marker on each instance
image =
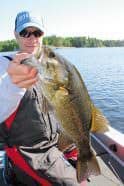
(22, 75)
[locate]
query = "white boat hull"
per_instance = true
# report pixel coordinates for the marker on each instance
(110, 147)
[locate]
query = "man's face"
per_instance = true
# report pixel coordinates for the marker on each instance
(30, 40)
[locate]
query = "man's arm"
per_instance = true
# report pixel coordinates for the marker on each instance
(14, 80)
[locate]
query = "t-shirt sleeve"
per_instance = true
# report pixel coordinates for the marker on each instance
(10, 94)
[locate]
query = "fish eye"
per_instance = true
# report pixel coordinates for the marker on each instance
(51, 54)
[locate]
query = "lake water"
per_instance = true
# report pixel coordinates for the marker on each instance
(102, 70)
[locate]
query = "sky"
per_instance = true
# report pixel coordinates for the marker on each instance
(102, 19)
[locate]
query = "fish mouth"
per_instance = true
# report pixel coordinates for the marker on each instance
(48, 79)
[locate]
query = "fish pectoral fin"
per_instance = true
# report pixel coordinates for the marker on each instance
(63, 90)
(99, 122)
(61, 95)
(87, 168)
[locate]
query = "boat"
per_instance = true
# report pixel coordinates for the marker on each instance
(110, 148)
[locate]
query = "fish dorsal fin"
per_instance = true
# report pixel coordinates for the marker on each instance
(99, 121)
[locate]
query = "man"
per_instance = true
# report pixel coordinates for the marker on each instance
(29, 134)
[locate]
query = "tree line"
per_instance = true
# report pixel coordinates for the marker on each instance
(11, 45)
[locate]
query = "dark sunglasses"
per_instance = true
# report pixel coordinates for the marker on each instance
(24, 33)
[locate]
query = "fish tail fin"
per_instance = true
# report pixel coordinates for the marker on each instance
(99, 121)
(87, 168)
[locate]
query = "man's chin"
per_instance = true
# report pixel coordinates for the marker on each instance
(31, 51)
(34, 51)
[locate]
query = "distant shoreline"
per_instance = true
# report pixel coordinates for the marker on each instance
(67, 42)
